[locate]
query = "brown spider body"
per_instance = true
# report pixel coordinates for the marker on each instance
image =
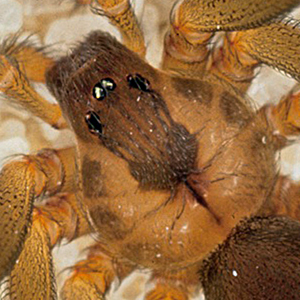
(164, 204)
(173, 170)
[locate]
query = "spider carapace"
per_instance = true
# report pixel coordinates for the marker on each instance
(177, 146)
(173, 169)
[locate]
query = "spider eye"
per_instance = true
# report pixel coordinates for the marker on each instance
(138, 82)
(101, 89)
(99, 92)
(94, 123)
(108, 84)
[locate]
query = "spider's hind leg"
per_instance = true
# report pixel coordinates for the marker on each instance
(29, 231)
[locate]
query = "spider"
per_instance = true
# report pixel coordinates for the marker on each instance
(173, 171)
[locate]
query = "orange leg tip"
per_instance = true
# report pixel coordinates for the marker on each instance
(83, 2)
(285, 116)
(80, 287)
(92, 277)
(60, 123)
(167, 292)
(114, 8)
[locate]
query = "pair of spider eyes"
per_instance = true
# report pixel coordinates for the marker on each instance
(102, 89)
(107, 85)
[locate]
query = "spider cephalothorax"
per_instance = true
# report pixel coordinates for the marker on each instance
(173, 170)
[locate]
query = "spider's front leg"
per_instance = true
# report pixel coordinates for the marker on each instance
(194, 23)
(20, 64)
(121, 14)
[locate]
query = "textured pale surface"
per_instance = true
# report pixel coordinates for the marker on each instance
(20, 133)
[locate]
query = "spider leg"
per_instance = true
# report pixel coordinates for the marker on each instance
(232, 63)
(34, 262)
(185, 52)
(285, 200)
(229, 15)
(121, 14)
(259, 260)
(275, 44)
(166, 291)
(21, 182)
(193, 24)
(179, 284)
(21, 63)
(284, 117)
(92, 277)
(61, 217)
